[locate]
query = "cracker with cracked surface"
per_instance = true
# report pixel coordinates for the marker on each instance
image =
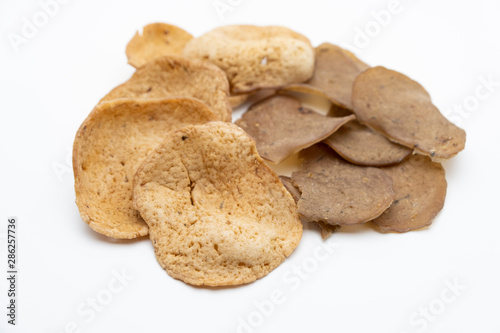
(337, 192)
(156, 40)
(393, 104)
(255, 57)
(217, 214)
(335, 72)
(420, 191)
(326, 229)
(361, 145)
(109, 147)
(173, 76)
(281, 126)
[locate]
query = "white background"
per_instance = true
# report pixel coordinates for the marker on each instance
(371, 282)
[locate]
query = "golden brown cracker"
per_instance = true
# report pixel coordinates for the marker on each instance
(217, 214)
(109, 147)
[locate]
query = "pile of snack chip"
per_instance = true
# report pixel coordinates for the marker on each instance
(159, 155)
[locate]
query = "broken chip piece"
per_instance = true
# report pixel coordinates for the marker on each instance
(281, 126)
(337, 192)
(156, 40)
(326, 229)
(400, 108)
(420, 190)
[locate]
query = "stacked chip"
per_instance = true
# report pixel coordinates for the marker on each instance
(158, 155)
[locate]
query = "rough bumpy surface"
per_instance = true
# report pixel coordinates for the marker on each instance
(172, 76)
(337, 192)
(156, 40)
(361, 145)
(400, 108)
(217, 215)
(420, 188)
(281, 126)
(255, 57)
(109, 147)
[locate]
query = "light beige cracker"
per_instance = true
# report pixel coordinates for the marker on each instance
(255, 57)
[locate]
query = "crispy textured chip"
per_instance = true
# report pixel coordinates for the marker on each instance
(400, 108)
(281, 126)
(335, 72)
(172, 76)
(361, 145)
(217, 214)
(326, 229)
(420, 188)
(255, 57)
(109, 147)
(156, 40)
(337, 192)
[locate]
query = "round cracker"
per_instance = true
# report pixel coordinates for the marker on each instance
(420, 187)
(217, 214)
(393, 104)
(361, 145)
(109, 147)
(172, 76)
(255, 57)
(335, 72)
(281, 126)
(156, 40)
(337, 192)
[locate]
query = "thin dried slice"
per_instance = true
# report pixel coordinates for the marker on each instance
(237, 100)
(255, 57)
(156, 40)
(109, 147)
(326, 229)
(337, 192)
(361, 145)
(303, 89)
(420, 187)
(335, 72)
(281, 126)
(172, 76)
(217, 214)
(400, 108)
